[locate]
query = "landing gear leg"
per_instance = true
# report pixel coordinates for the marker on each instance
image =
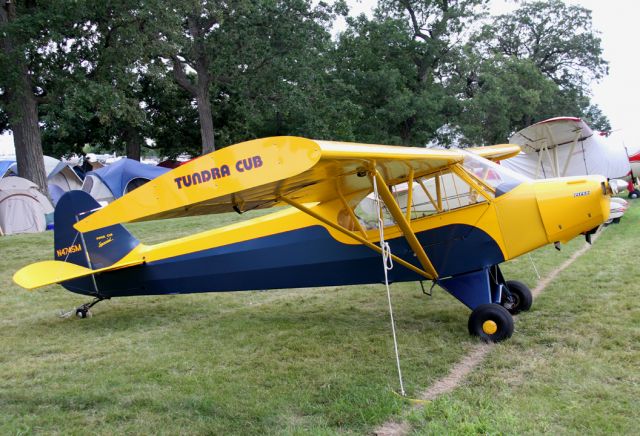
(492, 299)
(83, 311)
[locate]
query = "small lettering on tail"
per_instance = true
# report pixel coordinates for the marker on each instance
(104, 239)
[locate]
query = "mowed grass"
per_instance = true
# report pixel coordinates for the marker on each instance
(319, 360)
(572, 366)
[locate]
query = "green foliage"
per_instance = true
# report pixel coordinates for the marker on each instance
(398, 65)
(506, 95)
(124, 74)
(172, 119)
(524, 67)
(96, 101)
(557, 38)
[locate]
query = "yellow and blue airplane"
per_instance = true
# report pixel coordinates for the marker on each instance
(449, 216)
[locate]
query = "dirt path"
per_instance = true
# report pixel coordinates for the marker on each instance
(471, 360)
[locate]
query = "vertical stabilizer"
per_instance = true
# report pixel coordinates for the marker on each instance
(97, 249)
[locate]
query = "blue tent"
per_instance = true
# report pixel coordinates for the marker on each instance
(5, 165)
(124, 175)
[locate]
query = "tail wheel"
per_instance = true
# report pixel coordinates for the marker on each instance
(491, 322)
(634, 194)
(521, 298)
(82, 313)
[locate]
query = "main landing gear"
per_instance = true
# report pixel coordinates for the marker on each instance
(491, 322)
(517, 297)
(492, 300)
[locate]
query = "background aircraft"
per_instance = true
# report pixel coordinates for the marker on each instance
(566, 146)
(460, 216)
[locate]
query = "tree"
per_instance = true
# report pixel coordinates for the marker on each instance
(96, 73)
(173, 124)
(236, 60)
(399, 65)
(557, 38)
(20, 22)
(524, 67)
(505, 95)
(288, 83)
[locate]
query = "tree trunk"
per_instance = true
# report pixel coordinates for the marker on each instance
(200, 91)
(22, 108)
(406, 129)
(133, 141)
(206, 121)
(197, 28)
(23, 118)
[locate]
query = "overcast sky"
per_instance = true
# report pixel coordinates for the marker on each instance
(618, 94)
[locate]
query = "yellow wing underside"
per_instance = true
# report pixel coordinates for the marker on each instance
(259, 173)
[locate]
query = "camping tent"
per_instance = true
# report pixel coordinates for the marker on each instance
(60, 176)
(23, 208)
(566, 146)
(6, 167)
(115, 180)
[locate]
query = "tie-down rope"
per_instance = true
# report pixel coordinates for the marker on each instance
(387, 265)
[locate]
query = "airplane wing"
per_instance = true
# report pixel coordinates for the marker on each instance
(496, 152)
(256, 174)
(550, 133)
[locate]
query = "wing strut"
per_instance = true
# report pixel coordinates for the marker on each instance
(404, 225)
(357, 237)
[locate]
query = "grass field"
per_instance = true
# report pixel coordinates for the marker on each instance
(321, 360)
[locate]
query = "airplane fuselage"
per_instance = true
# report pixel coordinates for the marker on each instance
(290, 249)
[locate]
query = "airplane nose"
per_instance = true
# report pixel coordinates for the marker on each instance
(572, 205)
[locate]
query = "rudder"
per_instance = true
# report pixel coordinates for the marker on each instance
(104, 246)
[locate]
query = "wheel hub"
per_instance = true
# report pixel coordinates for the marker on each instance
(489, 327)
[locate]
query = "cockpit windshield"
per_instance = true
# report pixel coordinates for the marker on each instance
(501, 179)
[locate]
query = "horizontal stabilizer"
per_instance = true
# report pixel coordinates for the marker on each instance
(49, 272)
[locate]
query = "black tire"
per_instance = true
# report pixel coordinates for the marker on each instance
(491, 322)
(80, 313)
(634, 194)
(521, 295)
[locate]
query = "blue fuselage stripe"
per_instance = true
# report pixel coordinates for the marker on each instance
(300, 258)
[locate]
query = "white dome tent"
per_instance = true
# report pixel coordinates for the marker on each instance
(60, 176)
(23, 208)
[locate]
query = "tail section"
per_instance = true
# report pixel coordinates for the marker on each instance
(95, 250)
(80, 258)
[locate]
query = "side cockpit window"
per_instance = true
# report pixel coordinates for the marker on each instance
(435, 193)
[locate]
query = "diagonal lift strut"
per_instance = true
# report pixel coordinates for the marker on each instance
(404, 225)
